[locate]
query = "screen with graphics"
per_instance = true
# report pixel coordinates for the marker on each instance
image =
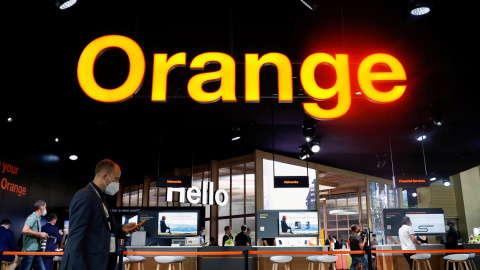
(177, 223)
(426, 222)
(297, 223)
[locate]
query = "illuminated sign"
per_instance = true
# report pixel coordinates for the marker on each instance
(411, 183)
(9, 186)
(290, 182)
(163, 65)
(195, 195)
(174, 181)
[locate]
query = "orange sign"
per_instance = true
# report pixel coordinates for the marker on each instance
(163, 65)
(11, 187)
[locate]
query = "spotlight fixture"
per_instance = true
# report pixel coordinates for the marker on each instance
(414, 194)
(9, 119)
(381, 159)
(64, 4)
(314, 146)
(308, 132)
(446, 182)
(419, 7)
(73, 157)
(235, 133)
(420, 133)
(56, 139)
(311, 4)
(435, 114)
(433, 176)
(305, 152)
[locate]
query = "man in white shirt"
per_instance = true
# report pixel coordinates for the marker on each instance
(407, 239)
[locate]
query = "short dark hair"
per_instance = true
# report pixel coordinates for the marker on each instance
(6, 222)
(451, 223)
(105, 165)
(212, 238)
(354, 227)
(51, 217)
(243, 228)
(226, 228)
(405, 220)
(38, 204)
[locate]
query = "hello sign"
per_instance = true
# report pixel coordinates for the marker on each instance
(162, 65)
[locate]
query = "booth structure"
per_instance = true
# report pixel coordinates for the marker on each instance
(262, 185)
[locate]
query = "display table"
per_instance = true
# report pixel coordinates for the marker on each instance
(191, 262)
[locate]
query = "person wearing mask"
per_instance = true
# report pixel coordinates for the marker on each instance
(336, 244)
(93, 232)
(241, 239)
(7, 243)
(52, 230)
(328, 240)
(452, 239)
(407, 239)
(202, 237)
(356, 243)
(228, 235)
(32, 233)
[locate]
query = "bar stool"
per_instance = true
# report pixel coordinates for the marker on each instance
(461, 259)
(281, 259)
(125, 262)
(56, 261)
(136, 259)
(5, 265)
(165, 260)
(327, 260)
(470, 261)
(419, 258)
(311, 262)
(179, 260)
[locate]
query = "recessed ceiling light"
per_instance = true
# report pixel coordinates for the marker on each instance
(9, 119)
(414, 194)
(64, 4)
(57, 139)
(73, 157)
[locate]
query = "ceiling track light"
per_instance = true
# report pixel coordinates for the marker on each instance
(314, 146)
(414, 194)
(235, 133)
(381, 159)
(435, 114)
(419, 7)
(420, 133)
(433, 176)
(305, 152)
(311, 4)
(308, 132)
(446, 182)
(64, 4)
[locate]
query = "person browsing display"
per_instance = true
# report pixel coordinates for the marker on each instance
(93, 231)
(357, 243)
(407, 239)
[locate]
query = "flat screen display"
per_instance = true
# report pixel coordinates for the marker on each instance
(177, 223)
(427, 223)
(297, 223)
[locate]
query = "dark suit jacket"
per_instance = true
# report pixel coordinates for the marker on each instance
(7, 243)
(88, 242)
(51, 230)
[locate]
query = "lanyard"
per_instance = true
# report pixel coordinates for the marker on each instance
(104, 207)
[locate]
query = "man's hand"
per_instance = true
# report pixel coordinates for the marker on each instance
(43, 235)
(419, 243)
(127, 228)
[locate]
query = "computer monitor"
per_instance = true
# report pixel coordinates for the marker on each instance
(192, 241)
(180, 242)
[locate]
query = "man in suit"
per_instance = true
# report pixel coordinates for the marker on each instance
(91, 243)
(7, 243)
(52, 230)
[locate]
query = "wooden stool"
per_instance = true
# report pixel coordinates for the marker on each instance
(136, 259)
(125, 262)
(281, 259)
(56, 261)
(419, 258)
(461, 259)
(328, 260)
(179, 260)
(5, 264)
(470, 261)
(165, 260)
(311, 262)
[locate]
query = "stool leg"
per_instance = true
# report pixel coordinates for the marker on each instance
(158, 266)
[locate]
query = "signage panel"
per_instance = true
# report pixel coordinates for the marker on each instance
(174, 181)
(291, 182)
(411, 183)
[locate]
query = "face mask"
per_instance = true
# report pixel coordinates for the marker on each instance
(112, 188)
(203, 233)
(447, 227)
(44, 212)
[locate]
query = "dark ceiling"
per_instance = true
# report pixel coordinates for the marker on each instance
(42, 45)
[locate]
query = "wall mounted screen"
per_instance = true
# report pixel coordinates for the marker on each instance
(297, 223)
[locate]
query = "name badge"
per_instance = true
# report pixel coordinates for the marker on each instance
(112, 242)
